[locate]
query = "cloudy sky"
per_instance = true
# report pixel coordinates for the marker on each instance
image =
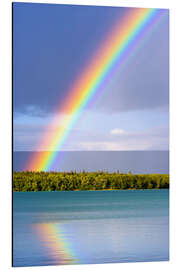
(52, 44)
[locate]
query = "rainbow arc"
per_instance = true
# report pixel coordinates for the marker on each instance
(117, 45)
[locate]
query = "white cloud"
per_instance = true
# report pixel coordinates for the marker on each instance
(124, 145)
(117, 131)
(101, 146)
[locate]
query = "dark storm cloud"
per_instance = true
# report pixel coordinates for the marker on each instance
(52, 44)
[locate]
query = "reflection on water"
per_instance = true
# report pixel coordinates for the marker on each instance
(52, 236)
(52, 228)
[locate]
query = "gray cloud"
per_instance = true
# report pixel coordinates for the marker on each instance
(47, 58)
(143, 83)
(28, 137)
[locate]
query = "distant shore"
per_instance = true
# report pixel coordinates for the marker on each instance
(74, 181)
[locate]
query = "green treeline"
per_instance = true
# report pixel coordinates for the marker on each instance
(60, 181)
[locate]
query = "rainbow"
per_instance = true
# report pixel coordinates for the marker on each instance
(99, 70)
(52, 237)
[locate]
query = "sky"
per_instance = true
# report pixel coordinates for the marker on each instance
(51, 46)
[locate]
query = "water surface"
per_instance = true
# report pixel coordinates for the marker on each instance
(79, 227)
(124, 161)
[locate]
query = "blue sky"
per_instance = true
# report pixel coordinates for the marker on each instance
(52, 44)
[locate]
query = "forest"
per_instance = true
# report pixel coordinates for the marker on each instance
(66, 181)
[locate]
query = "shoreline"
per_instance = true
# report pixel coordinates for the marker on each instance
(99, 190)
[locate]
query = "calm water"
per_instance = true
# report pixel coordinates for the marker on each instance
(81, 227)
(124, 161)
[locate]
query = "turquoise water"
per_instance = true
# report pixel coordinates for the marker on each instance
(80, 227)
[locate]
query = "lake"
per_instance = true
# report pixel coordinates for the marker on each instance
(84, 227)
(135, 161)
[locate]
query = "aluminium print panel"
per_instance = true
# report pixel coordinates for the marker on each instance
(90, 134)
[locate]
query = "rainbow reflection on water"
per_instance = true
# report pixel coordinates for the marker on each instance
(53, 238)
